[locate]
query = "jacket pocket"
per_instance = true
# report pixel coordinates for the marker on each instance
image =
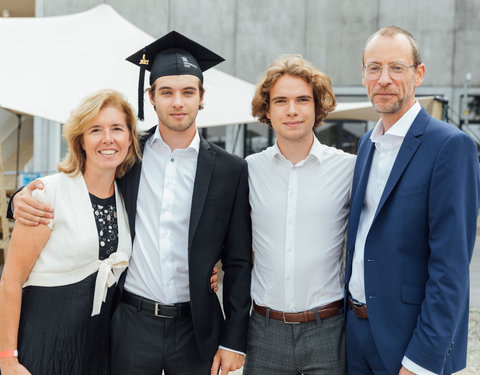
(409, 190)
(414, 294)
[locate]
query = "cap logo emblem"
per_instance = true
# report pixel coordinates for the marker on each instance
(144, 61)
(188, 64)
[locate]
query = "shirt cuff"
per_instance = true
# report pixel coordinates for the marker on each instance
(231, 350)
(416, 369)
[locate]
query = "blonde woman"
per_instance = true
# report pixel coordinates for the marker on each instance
(55, 291)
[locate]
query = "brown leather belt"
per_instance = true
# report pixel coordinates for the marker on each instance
(324, 312)
(359, 310)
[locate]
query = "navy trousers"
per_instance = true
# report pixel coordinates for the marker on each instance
(362, 354)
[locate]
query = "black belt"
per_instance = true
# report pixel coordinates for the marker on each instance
(161, 310)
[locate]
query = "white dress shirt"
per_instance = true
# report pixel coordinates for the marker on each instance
(159, 264)
(387, 147)
(299, 216)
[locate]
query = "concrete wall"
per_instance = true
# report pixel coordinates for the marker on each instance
(252, 33)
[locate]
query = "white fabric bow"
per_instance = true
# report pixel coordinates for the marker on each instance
(109, 272)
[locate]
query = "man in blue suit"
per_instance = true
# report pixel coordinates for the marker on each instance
(412, 225)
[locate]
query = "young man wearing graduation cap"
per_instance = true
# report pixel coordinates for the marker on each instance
(187, 204)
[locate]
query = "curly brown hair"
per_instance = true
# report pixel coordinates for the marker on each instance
(295, 65)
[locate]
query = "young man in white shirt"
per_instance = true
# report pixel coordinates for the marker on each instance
(299, 195)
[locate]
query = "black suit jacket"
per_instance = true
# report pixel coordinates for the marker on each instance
(220, 228)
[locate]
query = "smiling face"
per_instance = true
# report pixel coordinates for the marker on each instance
(106, 140)
(392, 98)
(176, 100)
(291, 109)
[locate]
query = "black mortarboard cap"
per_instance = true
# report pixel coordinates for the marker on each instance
(172, 54)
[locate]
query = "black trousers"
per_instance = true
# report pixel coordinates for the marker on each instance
(143, 344)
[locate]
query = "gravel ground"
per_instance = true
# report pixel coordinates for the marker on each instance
(473, 356)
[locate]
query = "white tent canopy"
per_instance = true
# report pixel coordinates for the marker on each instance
(47, 65)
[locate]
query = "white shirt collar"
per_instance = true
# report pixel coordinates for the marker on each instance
(400, 128)
(157, 137)
(315, 151)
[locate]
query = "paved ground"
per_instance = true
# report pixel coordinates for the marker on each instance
(473, 359)
(475, 276)
(473, 356)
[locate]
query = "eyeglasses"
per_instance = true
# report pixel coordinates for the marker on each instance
(396, 70)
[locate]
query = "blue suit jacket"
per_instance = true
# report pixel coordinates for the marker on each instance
(418, 249)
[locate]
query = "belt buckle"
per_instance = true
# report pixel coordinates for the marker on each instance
(358, 305)
(160, 315)
(283, 315)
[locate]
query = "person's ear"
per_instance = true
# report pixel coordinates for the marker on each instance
(419, 74)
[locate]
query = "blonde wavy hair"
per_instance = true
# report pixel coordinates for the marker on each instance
(79, 121)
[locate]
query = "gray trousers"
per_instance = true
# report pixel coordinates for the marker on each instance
(143, 344)
(312, 348)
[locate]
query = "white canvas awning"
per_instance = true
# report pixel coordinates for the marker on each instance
(47, 65)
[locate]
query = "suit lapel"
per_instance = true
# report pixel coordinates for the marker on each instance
(130, 192)
(205, 164)
(130, 182)
(364, 163)
(407, 150)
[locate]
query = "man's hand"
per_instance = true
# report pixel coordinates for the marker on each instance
(28, 210)
(404, 371)
(227, 361)
(214, 280)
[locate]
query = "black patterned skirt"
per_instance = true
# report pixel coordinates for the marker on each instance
(57, 335)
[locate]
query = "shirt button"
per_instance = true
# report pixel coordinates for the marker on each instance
(172, 160)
